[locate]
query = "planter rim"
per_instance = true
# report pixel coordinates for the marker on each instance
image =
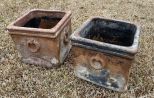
(53, 31)
(88, 43)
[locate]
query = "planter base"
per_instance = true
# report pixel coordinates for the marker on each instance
(41, 62)
(103, 79)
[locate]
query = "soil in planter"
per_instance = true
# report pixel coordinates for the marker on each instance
(44, 22)
(122, 35)
(110, 36)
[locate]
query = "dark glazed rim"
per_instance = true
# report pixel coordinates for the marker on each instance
(128, 51)
(54, 31)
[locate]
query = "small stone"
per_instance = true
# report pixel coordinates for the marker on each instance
(54, 61)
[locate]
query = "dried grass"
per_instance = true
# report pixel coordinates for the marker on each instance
(21, 80)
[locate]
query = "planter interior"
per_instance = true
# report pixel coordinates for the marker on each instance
(108, 31)
(43, 20)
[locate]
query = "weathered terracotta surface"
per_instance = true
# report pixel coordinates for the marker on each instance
(41, 36)
(102, 60)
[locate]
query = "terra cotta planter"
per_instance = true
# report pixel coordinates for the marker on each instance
(104, 50)
(41, 36)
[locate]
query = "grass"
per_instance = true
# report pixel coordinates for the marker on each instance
(21, 80)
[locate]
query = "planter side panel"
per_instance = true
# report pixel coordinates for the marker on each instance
(102, 69)
(37, 50)
(65, 44)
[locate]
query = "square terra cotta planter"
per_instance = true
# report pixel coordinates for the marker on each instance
(104, 50)
(41, 36)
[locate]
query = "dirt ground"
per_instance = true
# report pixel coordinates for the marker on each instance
(22, 80)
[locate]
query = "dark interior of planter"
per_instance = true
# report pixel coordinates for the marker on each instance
(45, 22)
(108, 31)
